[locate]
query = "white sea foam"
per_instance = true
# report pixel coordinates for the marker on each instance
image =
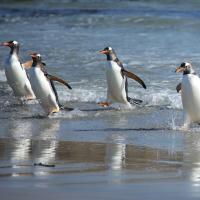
(188, 128)
(151, 97)
(76, 113)
(81, 95)
(87, 93)
(2, 76)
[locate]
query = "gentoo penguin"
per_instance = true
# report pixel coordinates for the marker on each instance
(42, 86)
(190, 91)
(51, 78)
(117, 84)
(16, 74)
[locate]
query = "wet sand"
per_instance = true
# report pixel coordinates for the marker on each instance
(93, 170)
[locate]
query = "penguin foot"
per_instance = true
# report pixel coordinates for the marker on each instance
(104, 104)
(28, 98)
(55, 110)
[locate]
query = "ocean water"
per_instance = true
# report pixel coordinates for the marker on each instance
(113, 153)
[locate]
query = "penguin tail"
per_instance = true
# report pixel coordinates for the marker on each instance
(134, 101)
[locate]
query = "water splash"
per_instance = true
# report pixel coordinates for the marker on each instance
(76, 113)
(2, 76)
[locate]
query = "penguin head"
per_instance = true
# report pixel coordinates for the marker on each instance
(36, 57)
(186, 68)
(109, 52)
(12, 44)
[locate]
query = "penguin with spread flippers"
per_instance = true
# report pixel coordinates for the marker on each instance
(190, 91)
(117, 83)
(16, 74)
(43, 86)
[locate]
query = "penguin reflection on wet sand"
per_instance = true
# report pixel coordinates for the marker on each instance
(190, 91)
(117, 82)
(16, 74)
(42, 84)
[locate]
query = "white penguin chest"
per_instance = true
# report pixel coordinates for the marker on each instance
(43, 90)
(40, 83)
(191, 96)
(115, 82)
(13, 69)
(17, 77)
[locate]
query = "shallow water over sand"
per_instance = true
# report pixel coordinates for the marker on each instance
(92, 152)
(113, 169)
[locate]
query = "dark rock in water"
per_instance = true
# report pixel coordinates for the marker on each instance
(43, 165)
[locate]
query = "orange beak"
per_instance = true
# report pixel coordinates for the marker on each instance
(33, 55)
(103, 51)
(6, 44)
(179, 69)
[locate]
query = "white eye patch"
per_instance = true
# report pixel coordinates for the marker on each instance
(110, 48)
(38, 55)
(15, 42)
(187, 64)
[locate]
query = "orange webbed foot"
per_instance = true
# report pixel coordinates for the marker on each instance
(104, 104)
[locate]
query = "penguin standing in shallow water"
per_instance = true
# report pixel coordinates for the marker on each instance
(117, 82)
(190, 91)
(16, 73)
(42, 84)
(51, 78)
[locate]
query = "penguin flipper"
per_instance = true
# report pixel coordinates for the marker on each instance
(55, 78)
(55, 92)
(134, 77)
(178, 88)
(57, 99)
(134, 101)
(28, 64)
